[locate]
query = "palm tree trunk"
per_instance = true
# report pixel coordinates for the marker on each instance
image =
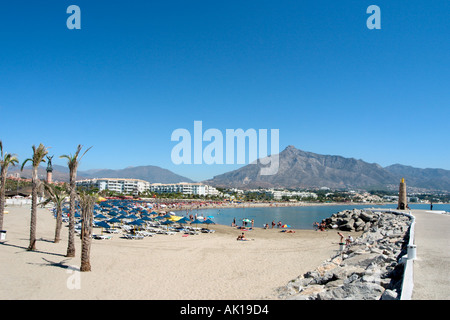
(86, 253)
(2, 196)
(86, 229)
(34, 191)
(73, 194)
(58, 223)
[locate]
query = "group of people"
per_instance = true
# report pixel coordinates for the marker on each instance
(319, 226)
(348, 241)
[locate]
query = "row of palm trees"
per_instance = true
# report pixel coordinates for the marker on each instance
(56, 195)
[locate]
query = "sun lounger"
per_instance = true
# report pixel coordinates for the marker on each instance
(101, 237)
(133, 236)
(145, 233)
(111, 230)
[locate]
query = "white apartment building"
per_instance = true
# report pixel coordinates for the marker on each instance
(127, 186)
(184, 188)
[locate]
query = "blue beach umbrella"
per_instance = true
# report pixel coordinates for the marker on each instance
(197, 221)
(113, 220)
(136, 222)
(102, 224)
(100, 216)
(209, 221)
(167, 223)
(184, 220)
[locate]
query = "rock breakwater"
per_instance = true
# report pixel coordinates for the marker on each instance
(370, 268)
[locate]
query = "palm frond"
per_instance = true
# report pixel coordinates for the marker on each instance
(23, 164)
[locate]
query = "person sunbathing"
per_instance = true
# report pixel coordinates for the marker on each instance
(242, 237)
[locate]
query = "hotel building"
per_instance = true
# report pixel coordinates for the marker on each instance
(127, 186)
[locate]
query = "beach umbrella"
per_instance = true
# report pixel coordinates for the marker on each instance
(167, 223)
(174, 218)
(102, 224)
(209, 221)
(113, 220)
(184, 220)
(197, 221)
(146, 218)
(285, 226)
(131, 216)
(100, 216)
(136, 222)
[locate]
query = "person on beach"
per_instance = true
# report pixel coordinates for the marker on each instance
(349, 240)
(342, 237)
(242, 237)
(253, 222)
(273, 224)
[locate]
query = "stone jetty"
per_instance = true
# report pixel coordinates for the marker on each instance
(369, 268)
(351, 220)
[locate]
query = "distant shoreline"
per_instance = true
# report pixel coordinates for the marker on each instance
(201, 206)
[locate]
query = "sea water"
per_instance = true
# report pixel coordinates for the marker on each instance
(296, 217)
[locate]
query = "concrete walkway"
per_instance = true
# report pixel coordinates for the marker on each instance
(432, 266)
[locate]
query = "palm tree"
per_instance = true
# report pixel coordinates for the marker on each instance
(72, 162)
(87, 201)
(5, 160)
(38, 156)
(57, 195)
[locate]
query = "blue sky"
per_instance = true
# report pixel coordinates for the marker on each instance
(138, 70)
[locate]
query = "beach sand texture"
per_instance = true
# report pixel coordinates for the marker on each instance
(207, 266)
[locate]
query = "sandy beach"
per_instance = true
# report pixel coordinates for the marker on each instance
(169, 267)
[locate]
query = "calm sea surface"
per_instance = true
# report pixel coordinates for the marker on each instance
(296, 217)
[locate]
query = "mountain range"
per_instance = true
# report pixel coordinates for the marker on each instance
(147, 173)
(297, 169)
(301, 169)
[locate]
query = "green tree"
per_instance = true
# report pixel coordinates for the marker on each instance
(73, 162)
(38, 156)
(6, 159)
(87, 201)
(57, 195)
